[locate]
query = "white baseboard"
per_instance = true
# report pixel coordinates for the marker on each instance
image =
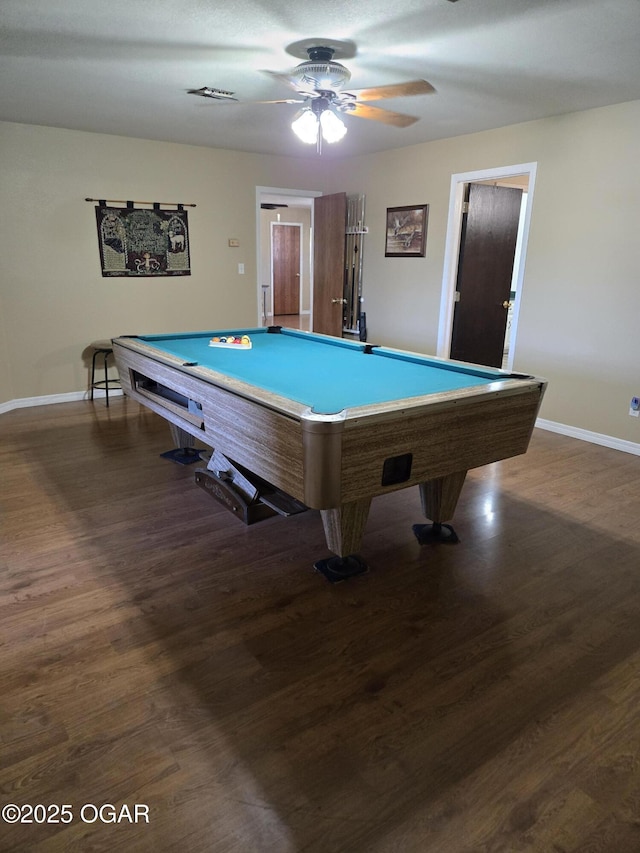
(541, 423)
(592, 437)
(49, 399)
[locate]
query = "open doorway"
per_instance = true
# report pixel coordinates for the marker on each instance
(474, 242)
(294, 208)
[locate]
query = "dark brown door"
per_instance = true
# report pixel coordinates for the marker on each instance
(285, 253)
(485, 268)
(329, 226)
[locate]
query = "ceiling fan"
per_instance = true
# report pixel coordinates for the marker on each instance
(319, 82)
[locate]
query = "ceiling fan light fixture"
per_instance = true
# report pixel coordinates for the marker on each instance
(313, 124)
(305, 127)
(333, 129)
(320, 71)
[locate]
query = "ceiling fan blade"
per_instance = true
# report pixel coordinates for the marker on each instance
(292, 83)
(281, 101)
(395, 90)
(385, 116)
(221, 95)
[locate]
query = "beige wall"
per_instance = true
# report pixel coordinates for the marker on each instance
(580, 298)
(53, 298)
(581, 292)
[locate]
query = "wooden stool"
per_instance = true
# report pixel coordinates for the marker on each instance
(104, 349)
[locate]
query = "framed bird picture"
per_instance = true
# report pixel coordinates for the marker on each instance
(406, 232)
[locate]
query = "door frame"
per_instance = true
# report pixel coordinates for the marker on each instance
(452, 249)
(299, 196)
(297, 225)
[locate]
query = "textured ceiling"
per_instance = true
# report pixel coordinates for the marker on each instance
(123, 66)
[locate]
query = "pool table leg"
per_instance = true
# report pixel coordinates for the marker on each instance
(439, 500)
(343, 529)
(344, 526)
(180, 437)
(184, 451)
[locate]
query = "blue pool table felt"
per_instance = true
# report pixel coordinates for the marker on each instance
(328, 375)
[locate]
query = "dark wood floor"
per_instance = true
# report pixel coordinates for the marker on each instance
(476, 698)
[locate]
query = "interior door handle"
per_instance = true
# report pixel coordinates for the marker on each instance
(506, 304)
(338, 301)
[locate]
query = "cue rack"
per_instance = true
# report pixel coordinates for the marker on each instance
(353, 318)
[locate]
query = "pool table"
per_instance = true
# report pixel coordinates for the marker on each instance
(333, 422)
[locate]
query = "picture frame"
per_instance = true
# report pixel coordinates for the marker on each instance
(406, 231)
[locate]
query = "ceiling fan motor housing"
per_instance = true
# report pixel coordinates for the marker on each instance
(320, 71)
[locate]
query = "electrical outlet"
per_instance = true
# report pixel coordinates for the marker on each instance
(634, 407)
(240, 269)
